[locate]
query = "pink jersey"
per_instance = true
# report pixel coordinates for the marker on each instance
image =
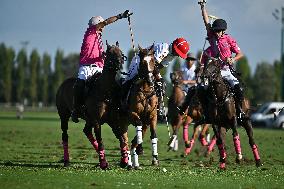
(92, 48)
(225, 45)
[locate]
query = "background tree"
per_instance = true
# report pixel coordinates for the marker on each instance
(2, 63)
(33, 85)
(22, 62)
(8, 63)
(244, 69)
(263, 83)
(278, 71)
(58, 76)
(70, 65)
(46, 72)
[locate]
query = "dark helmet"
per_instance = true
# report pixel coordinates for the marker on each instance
(219, 24)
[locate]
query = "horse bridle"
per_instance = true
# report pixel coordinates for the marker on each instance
(114, 64)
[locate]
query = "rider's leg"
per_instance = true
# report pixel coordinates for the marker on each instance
(79, 88)
(239, 98)
(238, 91)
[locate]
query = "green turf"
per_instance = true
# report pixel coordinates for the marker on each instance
(30, 151)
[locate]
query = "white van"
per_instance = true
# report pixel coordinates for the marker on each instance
(279, 119)
(264, 116)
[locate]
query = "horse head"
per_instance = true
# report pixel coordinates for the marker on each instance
(114, 58)
(147, 64)
(176, 78)
(212, 73)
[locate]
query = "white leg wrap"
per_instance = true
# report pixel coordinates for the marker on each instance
(139, 134)
(172, 144)
(239, 156)
(135, 157)
(176, 145)
(154, 146)
(129, 158)
(208, 137)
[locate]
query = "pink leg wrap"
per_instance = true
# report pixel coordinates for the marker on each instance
(211, 145)
(222, 165)
(66, 153)
(237, 144)
(203, 141)
(222, 151)
(255, 152)
(185, 132)
(187, 150)
(93, 141)
(124, 154)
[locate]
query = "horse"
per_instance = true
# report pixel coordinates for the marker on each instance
(142, 106)
(98, 103)
(222, 112)
(175, 101)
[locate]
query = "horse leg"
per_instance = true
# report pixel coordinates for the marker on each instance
(248, 127)
(101, 151)
(188, 146)
(88, 132)
(174, 140)
(221, 146)
(237, 143)
(139, 148)
(64, 128)
(124, 149)
(186, 124)
(154, 141)
(138, 139)
(211, 145)
(203, 134)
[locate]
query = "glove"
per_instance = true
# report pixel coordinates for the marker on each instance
(123, 15)
(202, 2)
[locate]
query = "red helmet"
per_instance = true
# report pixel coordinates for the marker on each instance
(181, 47)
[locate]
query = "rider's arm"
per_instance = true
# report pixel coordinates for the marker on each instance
(205, 17)
(112, 19)
(235, 49)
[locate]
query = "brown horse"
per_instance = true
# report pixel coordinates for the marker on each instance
(222, 112)
(100, 105)
(142, 109)
(176, 120)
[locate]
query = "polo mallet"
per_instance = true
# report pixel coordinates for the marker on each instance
(131, 32)
(211, 19)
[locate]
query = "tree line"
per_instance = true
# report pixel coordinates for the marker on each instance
(28, 78)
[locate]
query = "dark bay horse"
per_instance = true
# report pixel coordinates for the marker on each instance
(99, 101)
(222, 112)
(175, 101)
(143, 104)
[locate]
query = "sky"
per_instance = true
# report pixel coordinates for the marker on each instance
(51, 24)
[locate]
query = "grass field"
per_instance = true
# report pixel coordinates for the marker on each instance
(30, 151)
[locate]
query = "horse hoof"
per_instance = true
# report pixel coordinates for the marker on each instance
(123, 164)
(138, 168)
(239, 158)
(258, 163)
(222, 166)
(103, 164)
(155, 162)
(129, 167)
(66, 163)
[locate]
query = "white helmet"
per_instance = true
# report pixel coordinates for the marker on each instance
(95, 20)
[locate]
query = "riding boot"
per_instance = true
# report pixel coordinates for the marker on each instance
(79, 88)
(239, 97)
(190, 93)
